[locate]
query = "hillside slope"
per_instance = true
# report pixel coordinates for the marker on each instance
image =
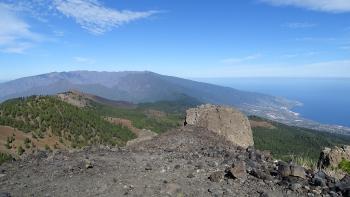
(91, 124)
(288, 142)
(46, 116)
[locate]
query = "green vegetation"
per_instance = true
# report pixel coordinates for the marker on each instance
(4, 157)
(294, 143)
(345, 166)
(9, 141)
(27, 142)
(178, 106)
(46, 115)
(43, 115)
(47, 147)
(20, 150)
(165, 114)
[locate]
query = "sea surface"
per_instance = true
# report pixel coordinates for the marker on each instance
(325, 100)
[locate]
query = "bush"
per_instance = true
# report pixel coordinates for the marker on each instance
(4, 157)
(345, 166)
(8, 146)
(20, 150)
(27, 141)
(47, 147)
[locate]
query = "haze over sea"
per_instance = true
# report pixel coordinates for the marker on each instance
(325, 100)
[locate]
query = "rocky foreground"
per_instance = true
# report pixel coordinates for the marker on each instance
(195, 160)
(183, 162)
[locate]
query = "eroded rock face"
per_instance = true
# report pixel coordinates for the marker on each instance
(331, 157)
(225, 121)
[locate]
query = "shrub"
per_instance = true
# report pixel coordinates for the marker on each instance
(27, 141)
(20, 150)
(47, 147)
(4, 157)
(345, 166)
(40, 135)
(8, 146)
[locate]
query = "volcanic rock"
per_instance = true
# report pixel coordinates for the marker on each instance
(225, 121)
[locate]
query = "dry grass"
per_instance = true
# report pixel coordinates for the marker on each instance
(262, 124)
(304, 162)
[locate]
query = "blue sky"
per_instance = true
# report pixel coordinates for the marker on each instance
(186, 38)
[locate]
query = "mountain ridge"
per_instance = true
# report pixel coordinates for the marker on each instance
(118, 80)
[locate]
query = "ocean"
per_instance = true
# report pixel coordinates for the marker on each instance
(325, 100)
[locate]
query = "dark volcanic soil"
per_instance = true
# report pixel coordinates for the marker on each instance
(177, 163)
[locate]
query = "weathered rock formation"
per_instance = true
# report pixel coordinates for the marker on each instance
(331, 157)
(225, 121)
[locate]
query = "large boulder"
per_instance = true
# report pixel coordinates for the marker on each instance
(225, 121)
(331, 157)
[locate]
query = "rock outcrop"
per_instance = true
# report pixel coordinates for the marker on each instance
(331, 157)
(225, 121)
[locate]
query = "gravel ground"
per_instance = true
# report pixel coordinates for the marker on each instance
(177, 163)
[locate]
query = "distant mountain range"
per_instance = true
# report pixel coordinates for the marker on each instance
(139, 87)
(134, 87)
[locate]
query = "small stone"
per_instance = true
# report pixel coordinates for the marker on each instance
(190, 175)
(284, 169)
(216, 176)
(238, 170)
(177, 166)
(317, 191)
(306, 187)
(172, 189)
(216, 192)
(295, 186)
(271, 194)
(88, 164)
(297, 171)
(199, 165)
(5, 194)
(333, 194)
(213, 164)
(148, 167)
(260, 174)
(318, 181)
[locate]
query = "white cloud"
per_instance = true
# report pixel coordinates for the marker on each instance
(15, 34)
(96, 18)
(241, 59)
(84, 60)
(335, 6)
(299, 25)
(58, 33)
(316, 39)
(337, 68)
(304, 54)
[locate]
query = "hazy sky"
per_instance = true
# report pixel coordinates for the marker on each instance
(187, 38)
